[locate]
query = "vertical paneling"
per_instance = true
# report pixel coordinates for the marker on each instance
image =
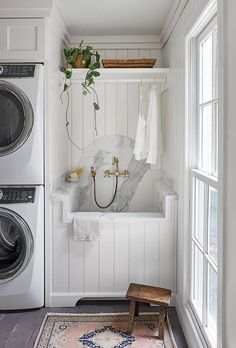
(167, 252)
(155, 53)
(121, 256)
(133, 108)
(91, 266)
(122, 109)
(60, 251)
(152, 254)
(111, 108)
(76, 128)
(137, 252)
(102, 54)
(106, 247)
(122, 54)
(145, 53)
(110, 54)
(88, 119)
(75, 267)
(119, 105)
(132, 54)
(101, 114)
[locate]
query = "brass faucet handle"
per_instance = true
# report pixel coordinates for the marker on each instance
(115, 160)
(107, 173)
(126, 173)
(93, 172)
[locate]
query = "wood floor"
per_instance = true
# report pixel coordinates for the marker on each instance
(19, 329)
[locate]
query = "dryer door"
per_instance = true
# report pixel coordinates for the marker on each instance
(16, 118)
(16, 245)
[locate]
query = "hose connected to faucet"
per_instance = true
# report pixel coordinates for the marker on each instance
(108, 173)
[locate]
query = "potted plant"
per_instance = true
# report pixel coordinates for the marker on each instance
(82, 57)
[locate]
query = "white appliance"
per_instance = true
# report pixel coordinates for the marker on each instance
(21, 124)
(21, 247)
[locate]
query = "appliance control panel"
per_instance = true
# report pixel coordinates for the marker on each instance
(9, 195)
(16, 70)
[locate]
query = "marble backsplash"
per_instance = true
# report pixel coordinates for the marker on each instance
(134, 193)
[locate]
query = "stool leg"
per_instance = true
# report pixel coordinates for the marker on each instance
(161, 323)
(131, 316)
(136, 313)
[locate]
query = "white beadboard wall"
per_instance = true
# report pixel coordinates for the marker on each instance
(118, 114)
(119, 102)
(138, 250)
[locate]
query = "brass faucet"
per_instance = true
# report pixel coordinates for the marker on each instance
(93, 172)
(116, 171)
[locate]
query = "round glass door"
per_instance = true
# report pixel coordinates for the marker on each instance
(16, 245)
(16, 118)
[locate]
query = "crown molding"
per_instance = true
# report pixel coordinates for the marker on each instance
(174, 14)
(25, 13)
(119, 41)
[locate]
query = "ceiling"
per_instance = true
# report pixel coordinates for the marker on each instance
(110, 17)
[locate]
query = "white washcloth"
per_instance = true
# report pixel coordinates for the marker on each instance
(86, 226)
(139, 147)
(154, 145)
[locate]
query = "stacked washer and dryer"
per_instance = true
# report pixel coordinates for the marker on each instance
(21, 186)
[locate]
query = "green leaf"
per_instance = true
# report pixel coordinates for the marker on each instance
(96, 106)
(97, 59)
(93, 66)
(96, 73)
(65, 87)
(68, 74)
(85, 92)
(87, 55)
(85, 87)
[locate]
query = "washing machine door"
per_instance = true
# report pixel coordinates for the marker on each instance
(16, 245)
(16, 118)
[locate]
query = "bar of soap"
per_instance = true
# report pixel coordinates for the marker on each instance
(76, 173)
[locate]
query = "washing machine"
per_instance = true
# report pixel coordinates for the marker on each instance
(21, 247)
(21, 124)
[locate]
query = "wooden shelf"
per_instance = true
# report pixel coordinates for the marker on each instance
(125, 74)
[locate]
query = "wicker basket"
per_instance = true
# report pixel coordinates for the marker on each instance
(128, 63)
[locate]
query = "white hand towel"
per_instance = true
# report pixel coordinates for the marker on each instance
(86, 226)
(153, 131)
(139, 147)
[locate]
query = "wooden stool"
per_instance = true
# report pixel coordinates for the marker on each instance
(149, 294)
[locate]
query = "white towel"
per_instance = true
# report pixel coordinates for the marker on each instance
(154, 145)
(86, 226)
(139, 147)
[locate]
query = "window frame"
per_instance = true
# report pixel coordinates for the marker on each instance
(204, 19)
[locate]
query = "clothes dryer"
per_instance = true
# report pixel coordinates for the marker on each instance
(21, 124)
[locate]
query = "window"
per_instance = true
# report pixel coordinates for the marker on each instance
(204, 185)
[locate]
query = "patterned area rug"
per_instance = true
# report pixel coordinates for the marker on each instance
(101, 331)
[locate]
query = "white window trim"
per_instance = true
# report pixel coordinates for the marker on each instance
(190, 141)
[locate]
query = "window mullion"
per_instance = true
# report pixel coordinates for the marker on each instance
(205, 250)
